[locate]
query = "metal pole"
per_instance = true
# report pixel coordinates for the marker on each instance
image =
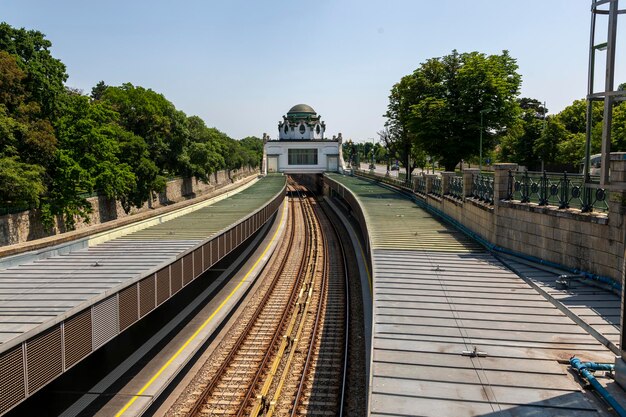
(592, 58)
(480, 158)
(543, 131)
(608, 99)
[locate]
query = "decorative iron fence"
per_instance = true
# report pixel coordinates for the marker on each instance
(420, 184)
(436, 186)
(455, 187)
(482, 187)
(553, 189)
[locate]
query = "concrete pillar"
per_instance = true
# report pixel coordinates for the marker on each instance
(414, 185)
(501, 181)
(617, 211)
(446, 176)
(264, 161)
(468, 178)
(429, 183)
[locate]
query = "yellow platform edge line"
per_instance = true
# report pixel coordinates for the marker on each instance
(202, 326)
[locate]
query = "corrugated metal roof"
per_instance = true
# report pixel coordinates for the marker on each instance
(394, 221)
(44, 290)
(437, 295)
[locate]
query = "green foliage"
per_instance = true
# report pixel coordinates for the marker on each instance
(98, 90)
(21, 185)
(438, 107)
(87, 133)
(546, 146)
(253, 147)
(151, 116)
(520, 142)
(57, 145)
(45, 75)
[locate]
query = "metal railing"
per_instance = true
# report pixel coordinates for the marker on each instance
(420, 184)
(482, 187)
(436, 186)
(455, 187)
(553, 189)
(384, 179)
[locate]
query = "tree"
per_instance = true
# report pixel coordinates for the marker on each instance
(151, 116)
(546, 147)
(98, 90)
(88, 134)
(253, 147)
(398, 118)
(519, 143)
(21, 185)
(45, 75)
(445, 97)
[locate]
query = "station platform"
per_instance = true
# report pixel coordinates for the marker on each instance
(456, 332)
(56, 311)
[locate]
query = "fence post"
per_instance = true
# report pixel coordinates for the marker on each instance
(501, 181)
(428, 183)
(468, 180)
(446, 176)
(617, 220)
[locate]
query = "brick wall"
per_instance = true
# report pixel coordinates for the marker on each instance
(26, 226)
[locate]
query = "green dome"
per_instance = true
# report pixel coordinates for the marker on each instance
(301, 108)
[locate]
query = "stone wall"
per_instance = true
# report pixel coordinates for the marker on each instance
(591, 242)
(26, 226)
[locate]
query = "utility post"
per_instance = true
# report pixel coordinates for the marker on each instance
(608, 10)
(480, 157)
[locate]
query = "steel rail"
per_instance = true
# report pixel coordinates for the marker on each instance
(284, 317)
(311, 279)
(301, 385)
(201, 401)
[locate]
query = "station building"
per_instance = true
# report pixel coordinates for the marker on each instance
(301, 147)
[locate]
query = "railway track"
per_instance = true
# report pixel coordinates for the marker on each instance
(287, 353)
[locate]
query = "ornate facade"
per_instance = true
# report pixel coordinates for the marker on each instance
(301, 147)
(301, 122)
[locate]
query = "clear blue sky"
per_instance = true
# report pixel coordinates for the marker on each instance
(240, 65)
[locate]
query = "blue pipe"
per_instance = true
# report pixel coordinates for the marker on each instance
(582, 369)
(599, 366)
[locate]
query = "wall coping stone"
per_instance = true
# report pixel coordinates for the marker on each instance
(575, 214)
(486, 207)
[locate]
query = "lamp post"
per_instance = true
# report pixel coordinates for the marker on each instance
(480, 157)
(350, 150)
(372, 164)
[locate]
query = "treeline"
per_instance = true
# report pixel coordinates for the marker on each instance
(58, 145)
(442, 109)
(558, 140)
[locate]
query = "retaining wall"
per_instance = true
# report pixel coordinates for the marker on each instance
(590, 242)
(26, 226)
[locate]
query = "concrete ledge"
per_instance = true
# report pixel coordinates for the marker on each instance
(571, 213)
(483, 206)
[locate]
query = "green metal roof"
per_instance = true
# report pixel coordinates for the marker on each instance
(301, 108)
(396, 222)
(206, 221)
